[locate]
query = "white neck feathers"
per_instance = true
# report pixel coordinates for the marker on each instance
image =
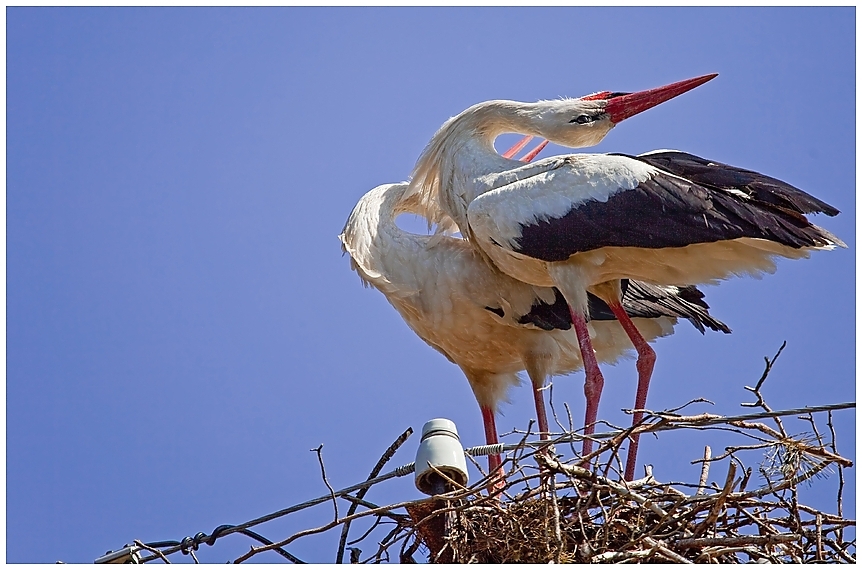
(469, 135)
(377, 246)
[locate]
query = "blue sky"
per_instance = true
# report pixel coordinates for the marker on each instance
(182, 327)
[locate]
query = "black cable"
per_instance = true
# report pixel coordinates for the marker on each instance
(189, 543)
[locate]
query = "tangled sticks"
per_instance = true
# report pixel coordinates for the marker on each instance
(565, 513)
(587, 517)
(549, 508)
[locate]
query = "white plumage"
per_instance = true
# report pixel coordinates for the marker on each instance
(475, 315)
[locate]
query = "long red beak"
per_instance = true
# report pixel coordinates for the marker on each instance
(626, 105)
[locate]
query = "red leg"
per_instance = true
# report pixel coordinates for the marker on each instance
(494, 462)
(491, 437)
(645, 364)
(542, 416)
(594, 382)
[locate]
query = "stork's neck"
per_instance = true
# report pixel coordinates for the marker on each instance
(463, 150)
(373, 239)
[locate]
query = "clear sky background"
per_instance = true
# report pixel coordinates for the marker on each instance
(182, 327)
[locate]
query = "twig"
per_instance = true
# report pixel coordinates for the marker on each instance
(819, 525)
(704, 542)
(666, 551)
(280, 551)
(611, 557)
(704, 470)
(377, 522)
(760, 403)
(364, 503)
(810, 419)
(355, 553)
(384, 459)
(388, 540)
(406, 554)
(319, 450)
(258, 549)
(719, 501)
(558, 536)
(155, 551)
(581, 473)
(834, 447)
(690, 402)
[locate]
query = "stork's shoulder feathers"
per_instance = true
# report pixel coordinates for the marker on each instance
(549, 189)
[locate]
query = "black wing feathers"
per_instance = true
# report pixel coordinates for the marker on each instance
(717, 175)
(557, 316)
(668, 211)
(641, 300)
(549, 316)
(651, 301)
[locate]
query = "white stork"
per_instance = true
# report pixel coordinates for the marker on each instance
(490, 325)
(582, 222)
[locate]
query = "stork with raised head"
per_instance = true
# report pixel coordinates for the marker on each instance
(582, 222)
(491, 325)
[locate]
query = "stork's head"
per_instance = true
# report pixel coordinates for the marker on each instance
(584, 122)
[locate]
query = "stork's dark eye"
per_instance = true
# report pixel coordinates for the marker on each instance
(582, 119)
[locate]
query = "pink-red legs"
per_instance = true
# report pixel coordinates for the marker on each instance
(645, 364)
(494, 461)
(495, 464)
(516, 148)
(594, 380)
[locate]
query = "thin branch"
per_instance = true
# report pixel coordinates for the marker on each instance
(155, 551)
(834, 447)
(719, 502)
(384, 459)
(760, 403)
(258, 549)
(659, 547)
(319, 450)
(735, 541)
(704, 470)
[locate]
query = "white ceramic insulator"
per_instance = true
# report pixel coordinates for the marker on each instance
(441, 447)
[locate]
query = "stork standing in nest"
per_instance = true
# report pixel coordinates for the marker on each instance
(582, 222)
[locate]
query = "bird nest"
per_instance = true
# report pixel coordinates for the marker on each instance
(549, 504)
(565, 513)
(547, 509)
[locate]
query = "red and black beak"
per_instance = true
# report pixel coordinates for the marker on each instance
(621, 106)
